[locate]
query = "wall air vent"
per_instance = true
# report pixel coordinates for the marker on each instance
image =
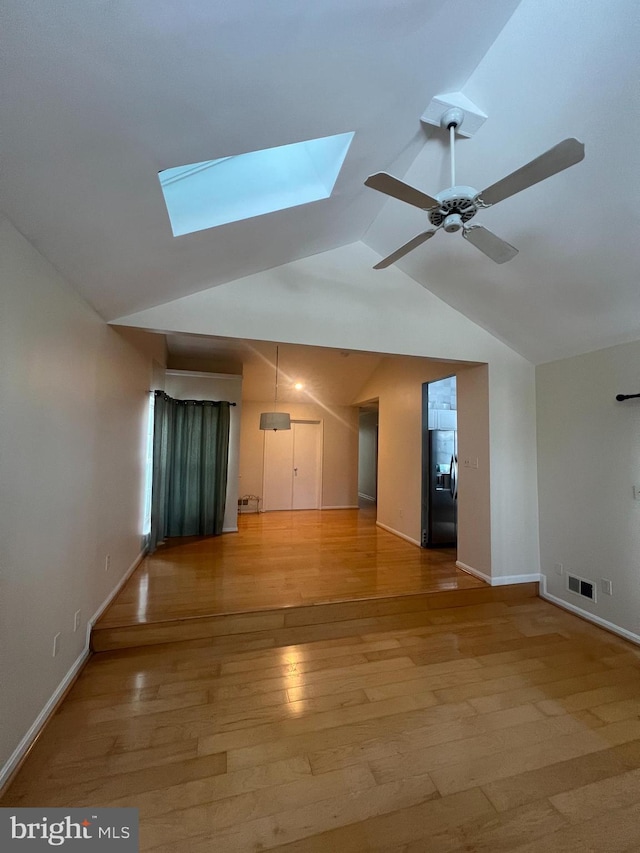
(582, 587)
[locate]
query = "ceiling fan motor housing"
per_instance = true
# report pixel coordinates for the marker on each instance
(456, 206)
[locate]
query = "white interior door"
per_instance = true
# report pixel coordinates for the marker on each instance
(292, 467)
(278, 465)
(306, 466)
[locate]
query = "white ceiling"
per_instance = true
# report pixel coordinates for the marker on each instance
(100, 95)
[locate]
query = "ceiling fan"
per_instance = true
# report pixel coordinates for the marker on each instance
(453, 208)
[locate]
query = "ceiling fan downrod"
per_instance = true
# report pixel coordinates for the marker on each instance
(451, 120)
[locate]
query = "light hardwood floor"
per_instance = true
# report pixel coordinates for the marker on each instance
(506, 726)
(442, 717)
(282, 559)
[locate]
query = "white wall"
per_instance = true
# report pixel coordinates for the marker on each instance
(474, 484)
(588, 463)
(336, 299)
(73, 414)
(339, 452)
(189, 385)
(397, 385)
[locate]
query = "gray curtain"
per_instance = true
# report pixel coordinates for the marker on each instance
(190, 461)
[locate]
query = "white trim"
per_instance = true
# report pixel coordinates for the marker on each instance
(25, 744)
(346, 506)
(202, 374)
(475, 572)
(232, 529)
(113, 594)
(590, 617)
(504, 580)
(397, 533)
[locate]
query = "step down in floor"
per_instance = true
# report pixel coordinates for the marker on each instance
(289, 625)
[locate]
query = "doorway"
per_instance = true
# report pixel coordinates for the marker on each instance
(293, 467)
(439, 463)
(368, 455)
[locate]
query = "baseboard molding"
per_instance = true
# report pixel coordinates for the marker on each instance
(584, 614)
(232, 529)
(348, 506)
(504, 580)
(21, 751)
(397, 533)
(113, 594)
(508, 580)
(475, 572)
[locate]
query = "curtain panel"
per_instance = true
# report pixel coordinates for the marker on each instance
(190, 462)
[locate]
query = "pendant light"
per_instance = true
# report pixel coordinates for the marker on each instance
(275, 420)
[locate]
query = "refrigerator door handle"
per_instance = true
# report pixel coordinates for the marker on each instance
(453, 481)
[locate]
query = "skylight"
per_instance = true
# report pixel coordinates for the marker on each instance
(214, 192)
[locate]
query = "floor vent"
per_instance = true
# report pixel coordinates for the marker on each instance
(581, 587)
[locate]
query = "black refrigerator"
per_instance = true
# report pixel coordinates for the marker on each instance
(439, 488)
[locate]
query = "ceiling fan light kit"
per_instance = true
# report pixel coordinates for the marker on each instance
(452, 208)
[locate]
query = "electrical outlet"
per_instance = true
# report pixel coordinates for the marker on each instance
(107, 562)
(559, 569)
(76, 620)
(56, 644)
(606, 586)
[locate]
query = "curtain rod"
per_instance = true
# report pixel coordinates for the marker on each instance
(157, 391)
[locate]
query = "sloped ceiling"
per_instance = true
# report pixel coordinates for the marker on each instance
(325, 375)
(100, 96)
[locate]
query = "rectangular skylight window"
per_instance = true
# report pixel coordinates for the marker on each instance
(204, 195)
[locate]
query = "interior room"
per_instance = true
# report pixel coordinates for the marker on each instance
(314, 676)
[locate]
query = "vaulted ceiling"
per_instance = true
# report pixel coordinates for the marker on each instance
(101, 95)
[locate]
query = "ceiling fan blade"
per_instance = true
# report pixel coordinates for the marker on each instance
(389, 185)
(493, 247)
(561, 156)
(404, 250)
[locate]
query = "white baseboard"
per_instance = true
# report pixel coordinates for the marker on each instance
(475, 572)
(590, 617)
(23, 747)
(41, 720)
(349, 506)
(232, 529)
(504, 580)
(397, 533)
(113, 593)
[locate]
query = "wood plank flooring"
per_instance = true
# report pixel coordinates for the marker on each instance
(282, 559)
(507, 727)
